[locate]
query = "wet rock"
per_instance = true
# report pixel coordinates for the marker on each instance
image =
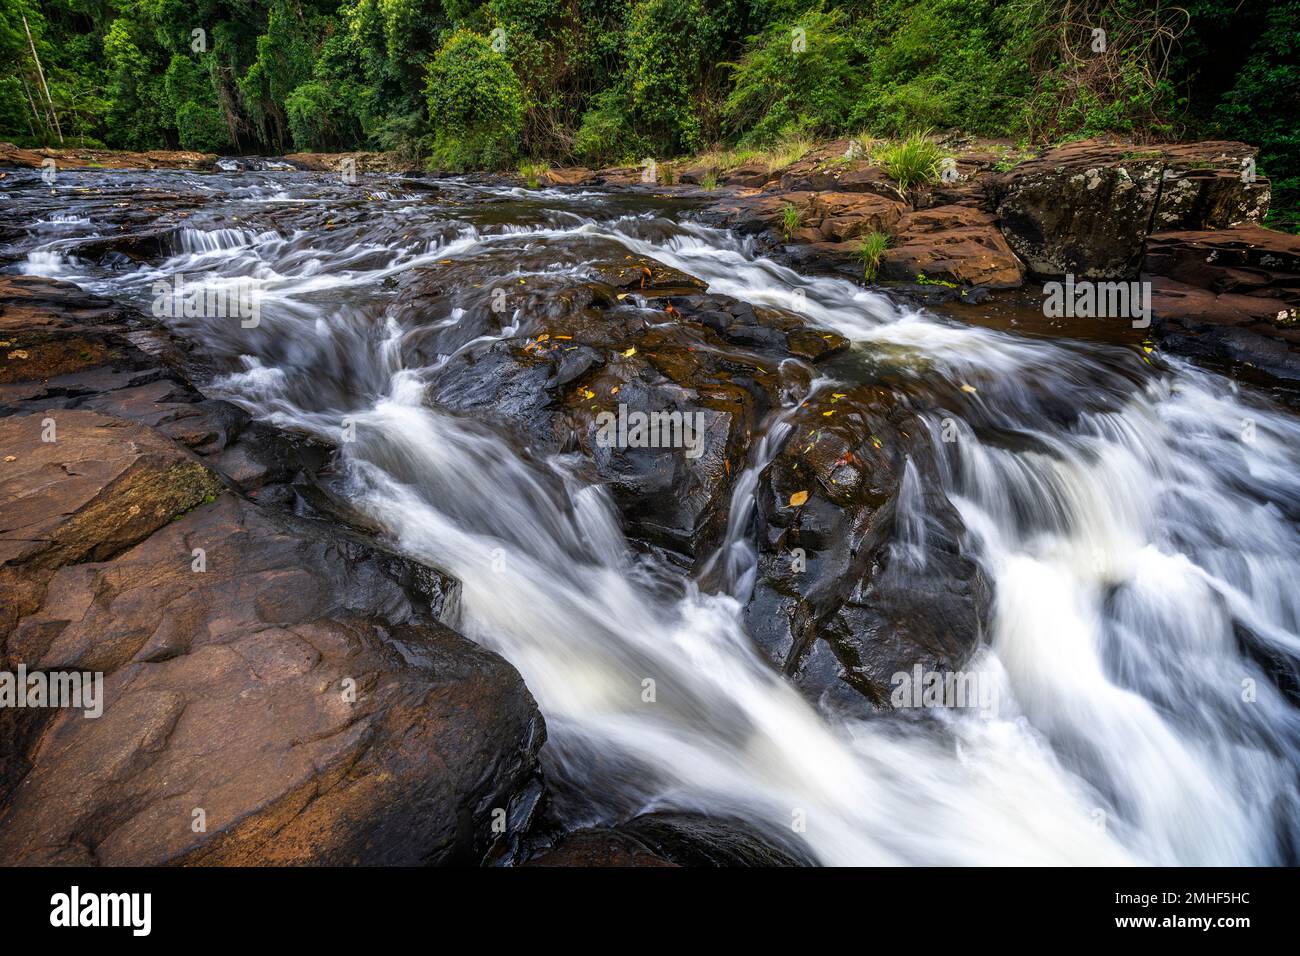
(1229, 298)
(361, 162)
(751, 212)
(814, 175)
(839, 216)
(693, 839)
(659, 386)
(675, 839)
(1255, 339)
(79, 485)
(823, 216)
(600, 847)
(1082, 209)
(747, 174)
(131, 248)
(69, 350)
(298, 696)
(1246, 260)
(568, 176)
(861, 567)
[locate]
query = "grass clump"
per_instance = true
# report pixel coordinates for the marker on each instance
(872, 251)
(913, 161)
(532, 173)
(790, 220)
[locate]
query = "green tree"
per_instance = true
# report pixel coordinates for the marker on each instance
(476, 104)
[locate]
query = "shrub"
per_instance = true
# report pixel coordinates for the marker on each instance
(778, 87)
(321, 116)
(203, 128)
(476, 105)
(606, 134)
(668, 44)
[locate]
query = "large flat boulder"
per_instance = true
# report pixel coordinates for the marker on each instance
(294, 701)
(80, 485)
(954, 243)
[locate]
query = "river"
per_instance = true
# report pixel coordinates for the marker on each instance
(1139, 531)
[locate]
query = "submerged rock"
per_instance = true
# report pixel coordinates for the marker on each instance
(659, 386)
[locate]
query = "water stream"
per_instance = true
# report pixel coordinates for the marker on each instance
(1138, 527)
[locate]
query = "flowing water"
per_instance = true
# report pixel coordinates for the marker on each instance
(1136, 517)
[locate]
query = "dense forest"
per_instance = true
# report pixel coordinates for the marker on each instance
(469, 84)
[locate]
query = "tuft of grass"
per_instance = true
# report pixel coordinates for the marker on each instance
(709, 180)
(913, 161)
(790, 219)
(787, 151)
(872, 251)
(781, 154)
(532, 173)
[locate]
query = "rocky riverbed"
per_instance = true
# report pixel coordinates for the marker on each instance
(369, 584)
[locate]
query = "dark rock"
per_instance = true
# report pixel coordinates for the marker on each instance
(675, 839)
(1229, 298)
(1083, 209)
(1208, 185)
(662, 349)
(861, 567)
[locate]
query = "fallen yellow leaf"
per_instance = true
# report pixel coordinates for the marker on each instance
(798, 498)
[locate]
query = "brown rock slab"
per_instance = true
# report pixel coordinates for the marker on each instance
(955, 243)
(101, 485)
(295, 702)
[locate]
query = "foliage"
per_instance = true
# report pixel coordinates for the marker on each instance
(476, 104)
(796, 75)
(606, 81)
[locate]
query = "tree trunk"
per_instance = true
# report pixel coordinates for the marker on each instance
(40, 71)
